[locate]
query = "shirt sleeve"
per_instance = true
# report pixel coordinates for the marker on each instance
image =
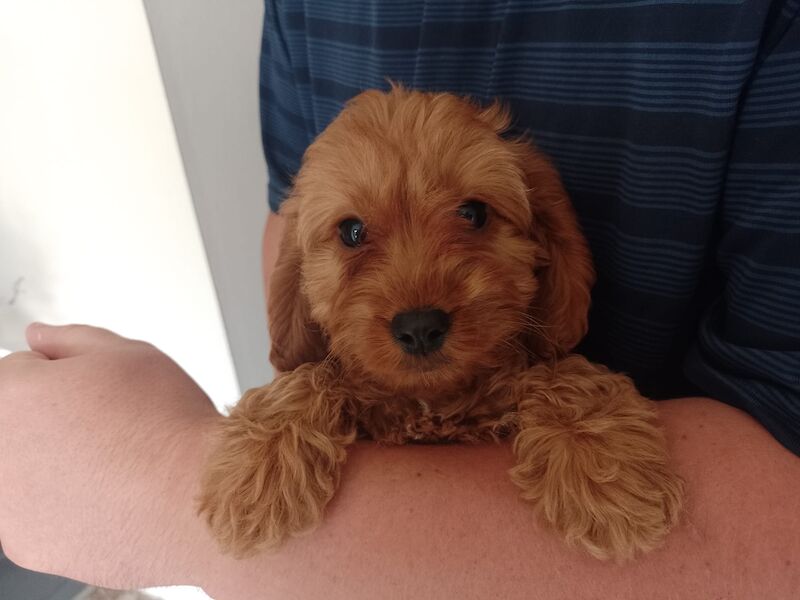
(747, 351)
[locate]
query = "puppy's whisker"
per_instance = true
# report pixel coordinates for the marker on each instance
(529, 318)
(531, 324)
(513, 344)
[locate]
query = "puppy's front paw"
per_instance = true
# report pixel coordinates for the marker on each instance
(269, 477)
(612, 494)
(593, 462)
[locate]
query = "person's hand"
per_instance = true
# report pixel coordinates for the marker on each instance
(101, 443)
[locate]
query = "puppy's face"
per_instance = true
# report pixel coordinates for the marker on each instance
(413, 223)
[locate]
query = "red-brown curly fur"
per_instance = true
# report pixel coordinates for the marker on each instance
(591, 459)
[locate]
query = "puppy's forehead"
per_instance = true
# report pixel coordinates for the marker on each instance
(414, 152)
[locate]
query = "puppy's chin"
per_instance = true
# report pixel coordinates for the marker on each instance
(424, 378)
(424, 364)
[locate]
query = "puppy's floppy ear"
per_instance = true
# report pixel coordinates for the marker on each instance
(564, 266)
(295, 337)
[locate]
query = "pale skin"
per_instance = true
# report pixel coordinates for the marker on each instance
(103, 441)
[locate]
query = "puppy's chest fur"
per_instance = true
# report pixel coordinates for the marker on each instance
(486, 410)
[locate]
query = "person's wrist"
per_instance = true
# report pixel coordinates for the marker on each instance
(178, 544)
(193, 549)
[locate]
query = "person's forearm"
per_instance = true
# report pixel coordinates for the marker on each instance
(444, 521)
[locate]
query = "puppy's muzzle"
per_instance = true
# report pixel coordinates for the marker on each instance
(420, 332)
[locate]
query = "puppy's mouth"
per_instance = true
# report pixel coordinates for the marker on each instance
(425, 364)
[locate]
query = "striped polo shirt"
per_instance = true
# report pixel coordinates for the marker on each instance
(675, 125)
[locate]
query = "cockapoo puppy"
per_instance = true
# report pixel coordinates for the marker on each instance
(430, 286)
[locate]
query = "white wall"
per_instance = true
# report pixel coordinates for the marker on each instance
(96, 219)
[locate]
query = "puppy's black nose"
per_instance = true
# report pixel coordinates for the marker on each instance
(421, 331)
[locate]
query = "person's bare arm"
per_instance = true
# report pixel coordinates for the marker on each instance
(98, 484)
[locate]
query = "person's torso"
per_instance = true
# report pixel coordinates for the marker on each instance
(635, 101)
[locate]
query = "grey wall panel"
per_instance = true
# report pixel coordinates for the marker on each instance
(208, 52)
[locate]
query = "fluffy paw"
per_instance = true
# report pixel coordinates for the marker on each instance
(615, 497)
(593, 462)
(269, 478)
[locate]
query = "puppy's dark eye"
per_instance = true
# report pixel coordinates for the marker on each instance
(473, 211)
(352, 232)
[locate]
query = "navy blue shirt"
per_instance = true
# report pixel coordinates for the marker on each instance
(675, 125)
